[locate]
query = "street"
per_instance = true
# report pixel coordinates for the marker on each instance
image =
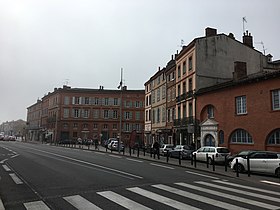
(41, 176)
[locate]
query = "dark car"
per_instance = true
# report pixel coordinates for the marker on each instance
(185, 151)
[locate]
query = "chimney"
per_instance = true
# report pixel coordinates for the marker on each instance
(124, 87)
(231, 35)
(210, 32)
(248, 39)
(240, 70)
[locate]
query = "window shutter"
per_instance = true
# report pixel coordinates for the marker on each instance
(73, 100)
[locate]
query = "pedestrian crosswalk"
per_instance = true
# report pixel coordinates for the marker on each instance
(213, 194)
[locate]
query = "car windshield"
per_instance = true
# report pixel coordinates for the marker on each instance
(222, 150)
(178, 147)
(243, 153)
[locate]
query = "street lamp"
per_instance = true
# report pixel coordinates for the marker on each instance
(120, 136)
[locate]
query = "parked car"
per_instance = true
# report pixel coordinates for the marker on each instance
(108, 141)
(165, 148)
(114, 146)
(260, 162)
(240, 154)
(220, 153)
(185, 151)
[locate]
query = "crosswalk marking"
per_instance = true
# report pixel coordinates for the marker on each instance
(6, 168)
(36, 205)
(269, 182)
(167, 201)
(15, 178)
(81, 203)
(211, 177)
(240, 191)
(232, 197)
(123, 201)
(198, 197)
(247, 187)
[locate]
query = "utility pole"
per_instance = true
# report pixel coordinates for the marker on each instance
(120, 130)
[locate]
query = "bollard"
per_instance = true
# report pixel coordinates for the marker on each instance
(207, 160)
(144, 149)
(226, 163)
(106, 149)
(248, 166)
(194, 160)
(236, 168)
(151, 152)
(129, 151)
(213, 162)
(167, 156)
(123, 150)
(137, 151)
(154, 154)
(179, 157)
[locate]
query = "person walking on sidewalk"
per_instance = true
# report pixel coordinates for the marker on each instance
(156, 148)
(96, 144)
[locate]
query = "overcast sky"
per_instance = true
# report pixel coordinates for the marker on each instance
(84, 43)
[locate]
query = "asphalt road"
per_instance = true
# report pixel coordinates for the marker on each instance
(39, 176)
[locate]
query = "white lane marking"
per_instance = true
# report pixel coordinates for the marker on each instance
(159, 198)
(6, 168)
(16, 179)
(36, 205)
(1, 205)
(88, 163)
(247, 187)
(162, 166)
(199, 198)
(212, 177)
(15, 156)
(115, 156)
(123, 201)
(228, 196)
(240, 191)
(81, 203)
(269, 182)
(99, 153)
(3, 161)
(139, 161)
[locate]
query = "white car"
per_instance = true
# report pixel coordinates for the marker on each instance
(260, 162)
(164, 148)
(220, 154)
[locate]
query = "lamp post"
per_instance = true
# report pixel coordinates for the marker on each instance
(120, 136)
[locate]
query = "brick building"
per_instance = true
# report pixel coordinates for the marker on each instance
(241, 114)
(70, 113)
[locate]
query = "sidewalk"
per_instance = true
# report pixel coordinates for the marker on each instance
(199, 166)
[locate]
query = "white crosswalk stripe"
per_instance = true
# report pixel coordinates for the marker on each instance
(81, 203)
(206, 195)
(240, 191)
(123, 201)
(161, 199)
(232, 197)
(198, 197)
(36, 205)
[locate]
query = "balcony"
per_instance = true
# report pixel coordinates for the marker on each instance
(184, 96)
(183, 122)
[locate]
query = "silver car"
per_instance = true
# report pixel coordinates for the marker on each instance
(218, 153)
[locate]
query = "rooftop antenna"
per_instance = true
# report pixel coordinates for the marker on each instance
(261, 42)
(66, 82)
(182, 43)
(244, 21)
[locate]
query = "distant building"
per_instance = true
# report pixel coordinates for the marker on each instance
(242, 114)
(70, 113)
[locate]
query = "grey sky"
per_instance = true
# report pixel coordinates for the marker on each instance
(43, 43)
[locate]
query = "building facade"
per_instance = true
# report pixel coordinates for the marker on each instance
(242, 114)
(72, 113)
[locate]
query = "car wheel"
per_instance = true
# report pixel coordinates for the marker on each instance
(239, 168)
(277, 172)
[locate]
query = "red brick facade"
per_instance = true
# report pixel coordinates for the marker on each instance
(260, 120)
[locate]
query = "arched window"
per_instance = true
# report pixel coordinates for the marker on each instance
(274, 138)
(210, 111)
(221, 137)
(241, 136)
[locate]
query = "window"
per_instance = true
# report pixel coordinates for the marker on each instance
(184, 87)
(116, 101)
(66, 100)
(96, 101)
(240, 103)
(85, 126)
(115, 126)
(276, 99)
(137, 104)
(153, 97)
(190, 110)
(106, 114)
(127, 115)
(179, 71)
(76, 113)
(184, 67)
(75, 125)
(210, 111)
(65, 125)
(163, 92)
(190, 63)
(150, 99)
(95, 113)
(158, 115)
(137, 127)
(179, 90)
(106, 101)
(76, 100)
(95, 126)
(158, 94)
(221, 137)
(190, 84)
(65, 113)
(87, 100)
(115, 114)
(241, 136)
(137, 115)
(105, 126)
(163, 118)
(127, 127)
(86, 113)
(274, 138)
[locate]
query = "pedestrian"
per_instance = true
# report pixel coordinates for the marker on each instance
(96, 144)
(156, 148)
